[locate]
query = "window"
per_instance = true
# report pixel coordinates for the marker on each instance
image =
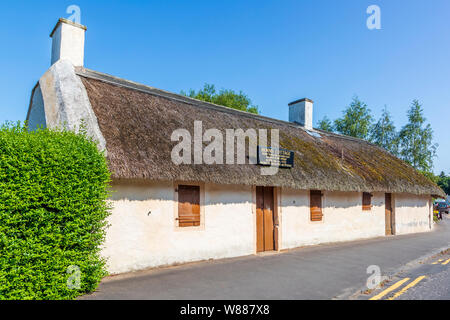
(315, 202)
(188, 206)
(367, 201)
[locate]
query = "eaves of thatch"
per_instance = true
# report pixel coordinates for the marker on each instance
(137, 122)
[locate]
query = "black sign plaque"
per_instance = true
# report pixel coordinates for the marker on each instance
(267, 157)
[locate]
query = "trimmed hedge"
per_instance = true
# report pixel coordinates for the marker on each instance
(54, 187)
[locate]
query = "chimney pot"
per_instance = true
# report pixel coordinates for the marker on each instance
(68, 42)
(301, 112)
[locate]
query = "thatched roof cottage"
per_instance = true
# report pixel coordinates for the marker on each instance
(327, 188)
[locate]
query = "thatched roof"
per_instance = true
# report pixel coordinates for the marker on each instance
(137, 123)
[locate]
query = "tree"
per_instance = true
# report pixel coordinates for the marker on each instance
(383, 133)
(443, 181)
(227, 98)
(325, 124)
(356, 120)
(416, 140)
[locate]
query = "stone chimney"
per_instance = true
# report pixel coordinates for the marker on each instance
(301, 112)
(68, 42)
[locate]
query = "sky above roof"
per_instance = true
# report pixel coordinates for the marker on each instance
(275, 51)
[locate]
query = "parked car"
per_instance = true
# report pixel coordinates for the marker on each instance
(440, 206)
(443, 206)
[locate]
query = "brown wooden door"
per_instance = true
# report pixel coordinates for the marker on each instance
(189, 206)
(389, 215)
(265, 226)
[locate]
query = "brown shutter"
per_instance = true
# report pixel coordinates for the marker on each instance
(367, 201)
(316, 205)
(189, 206)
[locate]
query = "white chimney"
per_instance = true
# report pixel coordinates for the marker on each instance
(301, 112)
(68, 42)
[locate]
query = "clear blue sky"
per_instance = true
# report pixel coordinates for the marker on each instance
(275, 51)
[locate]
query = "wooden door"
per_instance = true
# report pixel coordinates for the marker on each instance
(389, 215)
(265, 226)
(189, 206)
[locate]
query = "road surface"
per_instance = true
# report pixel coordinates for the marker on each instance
(334, 271)
(427, 280)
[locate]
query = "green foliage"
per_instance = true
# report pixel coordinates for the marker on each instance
(325, 124)
(443, 181)
(53, 210)
(227, 98)
(414, 143)
(435, 218)
(416, 140)
(356, 120)
(383, 133)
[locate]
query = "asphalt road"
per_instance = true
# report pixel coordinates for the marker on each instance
(436, 285)
(427, 280)
(335, 271)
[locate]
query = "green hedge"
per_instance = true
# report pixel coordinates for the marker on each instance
(53, 210)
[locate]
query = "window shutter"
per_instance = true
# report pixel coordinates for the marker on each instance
(367, 201)
(316, 205)
(189, 206)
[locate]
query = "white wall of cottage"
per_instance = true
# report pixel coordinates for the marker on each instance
(413, 214)
(144, 232)
(138, 240)
(343, 218)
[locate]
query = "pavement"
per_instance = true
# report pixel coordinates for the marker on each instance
(332, 271)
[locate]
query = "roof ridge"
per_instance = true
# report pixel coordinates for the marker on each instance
(84, 72)
(174, 96)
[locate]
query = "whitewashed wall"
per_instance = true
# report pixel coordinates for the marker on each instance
(137, 240)
(343, 218)
(412, 213)
(36, 117)
(61, 100)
